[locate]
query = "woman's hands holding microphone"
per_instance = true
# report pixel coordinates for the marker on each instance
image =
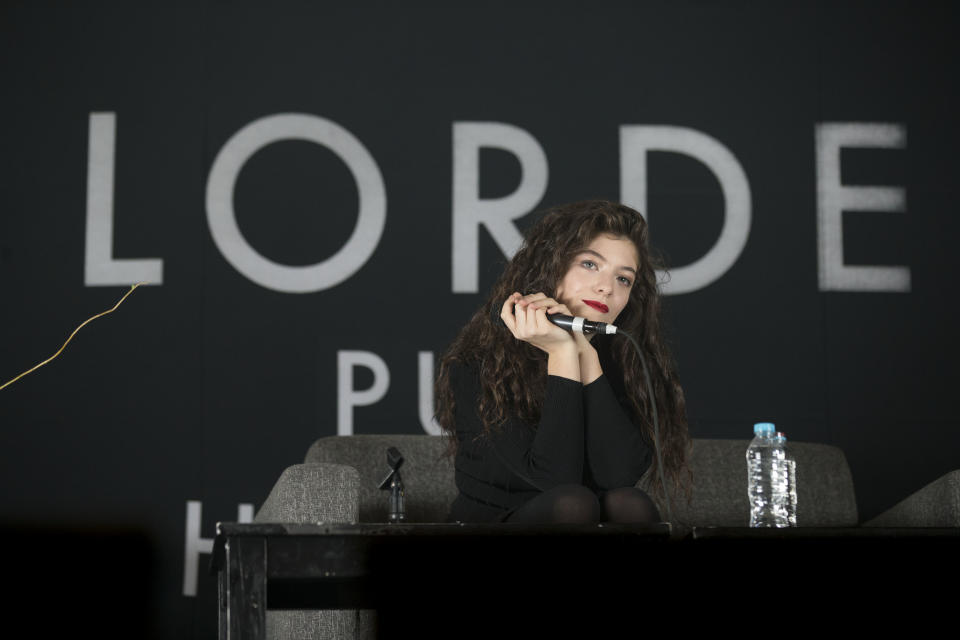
(526, 318)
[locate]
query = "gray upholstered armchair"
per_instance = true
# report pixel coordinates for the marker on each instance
(339, 479)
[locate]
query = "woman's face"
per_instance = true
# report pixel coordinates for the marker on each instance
(597, 285)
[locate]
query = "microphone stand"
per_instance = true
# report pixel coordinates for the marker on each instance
(394, 484)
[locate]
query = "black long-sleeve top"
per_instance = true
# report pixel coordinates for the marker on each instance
(585, 436)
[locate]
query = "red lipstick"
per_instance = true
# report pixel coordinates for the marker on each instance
(599, 306)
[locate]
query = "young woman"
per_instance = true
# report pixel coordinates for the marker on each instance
(550, 426)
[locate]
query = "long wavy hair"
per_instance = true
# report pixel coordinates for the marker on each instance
(513, 373)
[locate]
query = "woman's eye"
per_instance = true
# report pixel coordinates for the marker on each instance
(625, 281)
(589, 264)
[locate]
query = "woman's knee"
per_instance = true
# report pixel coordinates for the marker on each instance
(574, 503)
(629, 504)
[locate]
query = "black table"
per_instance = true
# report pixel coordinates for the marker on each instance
(361, 566)
(454, 575)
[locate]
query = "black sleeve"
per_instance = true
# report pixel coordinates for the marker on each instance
(617, 453)
(543, 457)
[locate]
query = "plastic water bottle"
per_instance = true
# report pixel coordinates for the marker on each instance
(790, 464)
(767, 479)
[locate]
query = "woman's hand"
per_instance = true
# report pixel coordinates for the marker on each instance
(553, 307)
(526, 318)
(588, 363)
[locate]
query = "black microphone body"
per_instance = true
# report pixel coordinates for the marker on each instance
(581, 325)
(570, 323)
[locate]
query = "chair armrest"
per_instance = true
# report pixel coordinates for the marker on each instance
(315, 492)
(935, 505)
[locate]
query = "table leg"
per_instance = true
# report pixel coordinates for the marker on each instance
(246, 590)
(223, 600)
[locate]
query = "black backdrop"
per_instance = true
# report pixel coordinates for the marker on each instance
(205, 385)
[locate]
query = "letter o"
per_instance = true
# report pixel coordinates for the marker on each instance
(223, 220)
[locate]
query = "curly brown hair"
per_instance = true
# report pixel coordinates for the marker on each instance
(513, 373)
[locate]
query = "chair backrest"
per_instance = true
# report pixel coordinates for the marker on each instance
(427, 472)
(825, 487)
(825, 496)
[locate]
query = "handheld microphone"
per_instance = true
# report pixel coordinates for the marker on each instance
(570, 323)
(581, 325)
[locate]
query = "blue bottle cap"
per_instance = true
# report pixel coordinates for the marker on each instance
(763, 427)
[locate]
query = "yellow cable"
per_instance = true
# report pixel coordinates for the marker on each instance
(73, 334)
